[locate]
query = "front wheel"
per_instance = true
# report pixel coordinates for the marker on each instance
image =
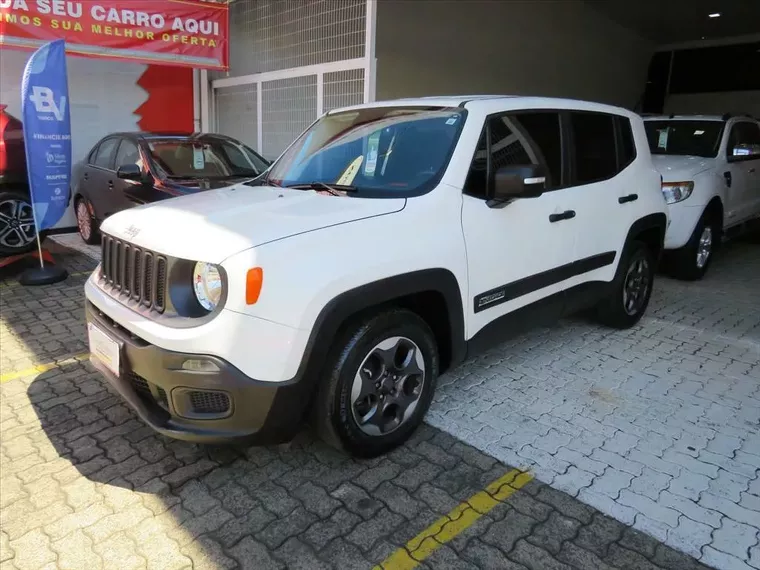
(690, 263)
(378, 384)
(86, 224)
(630, 291)
(17, 229)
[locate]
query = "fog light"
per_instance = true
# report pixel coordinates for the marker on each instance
(196, 365)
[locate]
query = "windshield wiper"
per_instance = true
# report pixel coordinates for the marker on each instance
(334, 189)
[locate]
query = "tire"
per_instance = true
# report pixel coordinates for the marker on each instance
(690, 263)
(87, 225)
(631, 289)
(343, 416)
(17, 230)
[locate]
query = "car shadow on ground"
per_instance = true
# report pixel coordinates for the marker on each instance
(241, 503)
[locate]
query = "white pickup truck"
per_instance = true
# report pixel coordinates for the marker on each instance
(711, 181)
(387, 244)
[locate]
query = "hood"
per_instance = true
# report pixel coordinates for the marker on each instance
(213, 225)
(677, 168)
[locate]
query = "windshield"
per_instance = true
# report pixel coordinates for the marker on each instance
(379, 152)
(206, 158)
(692, 138)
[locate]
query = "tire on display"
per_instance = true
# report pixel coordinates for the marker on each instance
(690, 263)
(377, 383)
(86, 223)
(631, 289)
(17, 231)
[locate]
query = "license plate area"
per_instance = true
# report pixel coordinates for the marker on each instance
(104, 348)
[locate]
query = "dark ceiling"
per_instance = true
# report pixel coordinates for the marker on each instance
(673, 21)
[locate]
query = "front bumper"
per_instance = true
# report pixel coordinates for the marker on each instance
(224, 406)
(683, 220)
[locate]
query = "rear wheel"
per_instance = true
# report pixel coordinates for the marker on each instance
(691, 262)
(631, 290)
(17, 230)
(379, 382)
(86, 223)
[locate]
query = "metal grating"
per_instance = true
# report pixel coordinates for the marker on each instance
(288, 107)
(236, 113)
(134, 273)
(270, 35)
(209, 402)
(343, 88)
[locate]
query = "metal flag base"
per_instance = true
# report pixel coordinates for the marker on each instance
(46, 275)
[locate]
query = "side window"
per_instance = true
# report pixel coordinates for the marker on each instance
(127, 154)
(595, 154)
(744, 140)
(627, 150)
(93, 154)
(104, 157)
(518, 139)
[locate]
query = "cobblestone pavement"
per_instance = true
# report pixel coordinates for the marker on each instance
(85, 485)
(658, 426)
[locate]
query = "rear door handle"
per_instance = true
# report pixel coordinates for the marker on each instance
(566, 215)
(752, 170)
(86, 176)
(727, 176)
(629, 198)
(110, 184)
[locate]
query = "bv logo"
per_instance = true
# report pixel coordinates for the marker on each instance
(132, 231)
(44, 102)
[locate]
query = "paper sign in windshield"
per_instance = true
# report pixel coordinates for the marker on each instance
(351, 171)
(373, 145)
(662, 140)
(198, 160)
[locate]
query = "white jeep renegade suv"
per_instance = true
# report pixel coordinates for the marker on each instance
(387, 244)
(711, 181)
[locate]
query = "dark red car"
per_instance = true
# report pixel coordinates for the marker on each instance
(17, 231)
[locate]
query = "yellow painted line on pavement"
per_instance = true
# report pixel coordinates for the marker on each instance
(40, 368)
(457, 521)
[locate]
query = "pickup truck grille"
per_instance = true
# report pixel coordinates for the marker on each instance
(134, 273)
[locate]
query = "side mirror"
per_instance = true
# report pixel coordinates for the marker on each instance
(511, 182)
(130, 172)
(742, 151)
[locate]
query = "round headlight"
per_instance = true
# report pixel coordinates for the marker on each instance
(207, 282)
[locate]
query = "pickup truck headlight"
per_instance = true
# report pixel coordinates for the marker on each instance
(207, 283)
(677, 191)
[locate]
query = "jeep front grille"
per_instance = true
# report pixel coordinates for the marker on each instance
(133, 273)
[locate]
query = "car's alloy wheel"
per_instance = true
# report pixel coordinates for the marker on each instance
(704, 247)
(636, 285)
(388, 385)
(84, 220)
(377, 383)
(17, 229)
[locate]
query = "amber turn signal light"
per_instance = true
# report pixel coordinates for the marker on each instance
(253, 283)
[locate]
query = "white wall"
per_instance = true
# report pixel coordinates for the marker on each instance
(551, 47)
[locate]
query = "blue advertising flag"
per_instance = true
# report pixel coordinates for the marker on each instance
(47, 132)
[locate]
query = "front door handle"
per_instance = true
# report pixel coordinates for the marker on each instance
(566, 215)
(629, 198)
(110, 184)
(752, 170)
(86, 176)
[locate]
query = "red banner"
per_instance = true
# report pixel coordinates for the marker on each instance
(189, 33)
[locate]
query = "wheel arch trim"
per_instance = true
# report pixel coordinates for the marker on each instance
(376, 294)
